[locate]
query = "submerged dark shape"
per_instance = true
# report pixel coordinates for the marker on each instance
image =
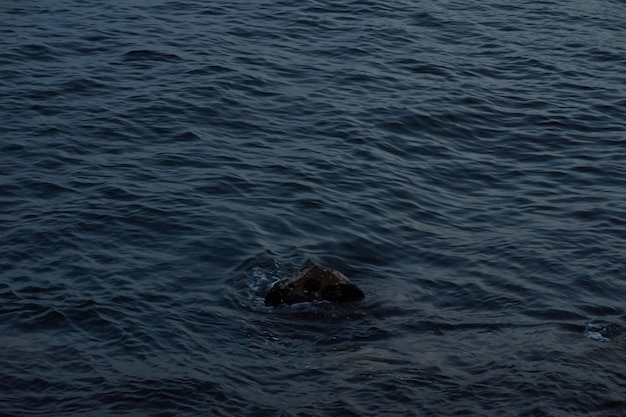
(315, 283)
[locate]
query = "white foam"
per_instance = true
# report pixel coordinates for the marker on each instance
(596, 332)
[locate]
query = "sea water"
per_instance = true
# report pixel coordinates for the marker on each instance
(164, 163)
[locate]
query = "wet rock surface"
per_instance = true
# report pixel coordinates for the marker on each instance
(315, 283)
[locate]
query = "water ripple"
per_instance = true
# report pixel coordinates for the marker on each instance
(165, 163)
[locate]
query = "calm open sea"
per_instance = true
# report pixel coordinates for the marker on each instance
(164, 162)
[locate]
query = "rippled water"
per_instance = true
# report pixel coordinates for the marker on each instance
(163, 163)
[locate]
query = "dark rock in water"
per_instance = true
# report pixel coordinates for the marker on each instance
(315, 283)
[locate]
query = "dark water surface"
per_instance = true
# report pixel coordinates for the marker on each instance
(163, 163)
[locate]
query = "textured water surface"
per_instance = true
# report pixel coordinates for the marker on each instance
(164, 163)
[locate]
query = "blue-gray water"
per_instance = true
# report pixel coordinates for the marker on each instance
(163, 163)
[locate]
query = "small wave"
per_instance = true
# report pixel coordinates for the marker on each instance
(257, 276)
(149, 55)
(262, 281)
